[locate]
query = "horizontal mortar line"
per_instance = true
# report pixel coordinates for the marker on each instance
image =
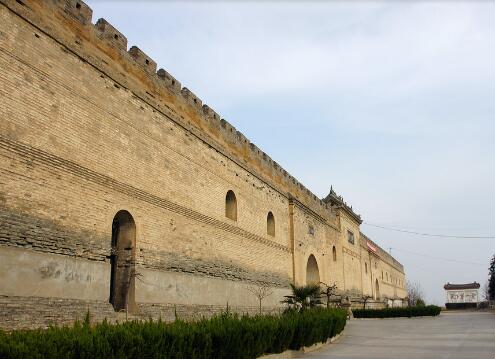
(227, 273)
(80, 171)
(213, 143)
(108, 182)
(146, 134)
(24, 177)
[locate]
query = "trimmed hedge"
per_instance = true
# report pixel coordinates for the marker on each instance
(223, 336)
(428, 310)
(461, 305)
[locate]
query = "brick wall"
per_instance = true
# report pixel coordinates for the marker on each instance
(88, 129)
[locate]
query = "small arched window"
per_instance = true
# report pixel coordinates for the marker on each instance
(231, 206)
(366, 268)
(270, 224)
(334, 254)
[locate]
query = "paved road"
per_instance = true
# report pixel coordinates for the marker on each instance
(466, 335)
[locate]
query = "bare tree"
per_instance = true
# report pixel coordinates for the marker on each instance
(328, 291)
(261, 292)
(366, 297)
(414, 293)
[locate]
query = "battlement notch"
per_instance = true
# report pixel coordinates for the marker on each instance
(169, 80)
(191, 98)
(76, 10)
(142, 59)
(110, 34)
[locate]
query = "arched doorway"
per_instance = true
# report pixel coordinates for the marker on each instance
(123, 261)
(312, 272)
(377, 290)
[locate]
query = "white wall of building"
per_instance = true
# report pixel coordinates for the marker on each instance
(462, 296)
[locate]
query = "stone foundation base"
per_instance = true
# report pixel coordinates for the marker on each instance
(39, 312)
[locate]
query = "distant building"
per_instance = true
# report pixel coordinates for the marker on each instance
(459, 296)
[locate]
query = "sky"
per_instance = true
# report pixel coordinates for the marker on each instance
(391, 103)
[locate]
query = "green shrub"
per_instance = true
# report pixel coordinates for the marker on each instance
(420, 303)
(408, 312)
(221, 337)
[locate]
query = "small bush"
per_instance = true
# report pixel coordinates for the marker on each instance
(408, 312)
(222, 337)
(420, 303)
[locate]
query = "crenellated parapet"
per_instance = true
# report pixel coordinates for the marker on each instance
(70, 23)
(103, 46)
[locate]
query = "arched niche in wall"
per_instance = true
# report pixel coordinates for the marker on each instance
(123, 262)
(334, 254)
(231, 206)
(270, 224)
(312, 271)
(377, 289)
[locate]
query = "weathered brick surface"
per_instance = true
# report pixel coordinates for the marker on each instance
(33, 312)
(36, 312)
(88, 129)
(28, 232)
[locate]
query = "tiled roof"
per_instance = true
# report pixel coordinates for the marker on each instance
(461, 286)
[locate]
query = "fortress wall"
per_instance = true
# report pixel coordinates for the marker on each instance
(392, 286)
(78, 222)
(104, 48)
(351, 254)
(386, 257)
(368, 272)
(76, 147)
(372, 262)
(391, 281)
(89, 128)
(313, 235)
(335, 273)
(388, 287)
(110, 132)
